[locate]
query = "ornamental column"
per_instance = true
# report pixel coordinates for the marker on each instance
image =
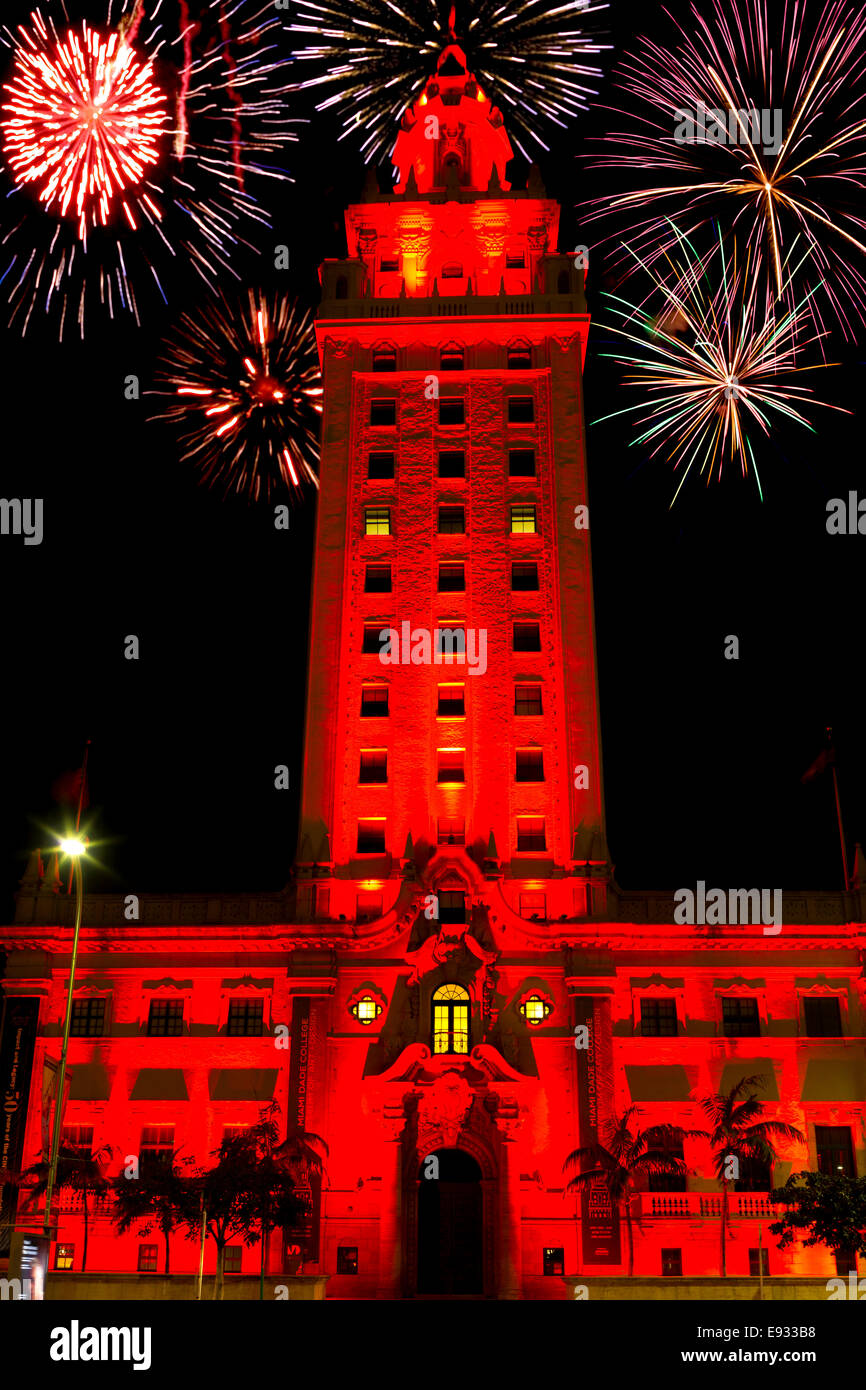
(510, 1233)
(390, 1284)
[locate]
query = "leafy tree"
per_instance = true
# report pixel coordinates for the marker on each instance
(160, 1197)
(625, 1156)
(77, 1171)
(825, 1209)
(739, 1132)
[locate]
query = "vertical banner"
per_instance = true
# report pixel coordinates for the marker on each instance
(20, 1019)
(307, 1234)
(600, 1222)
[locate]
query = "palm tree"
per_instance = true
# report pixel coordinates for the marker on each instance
(157, 1197)
(738, 1132)
(77, 1171)
(303, 1155)
(626, 1155)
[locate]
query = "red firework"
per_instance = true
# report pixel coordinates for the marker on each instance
(83, 123)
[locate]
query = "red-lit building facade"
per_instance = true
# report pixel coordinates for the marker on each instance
(454, 974)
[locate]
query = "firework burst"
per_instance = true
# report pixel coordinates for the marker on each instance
(788, 67)
(130, 145)
(711, 366)
(372, 59)
(246, 393)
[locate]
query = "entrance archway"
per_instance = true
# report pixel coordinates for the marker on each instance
(450, 1225)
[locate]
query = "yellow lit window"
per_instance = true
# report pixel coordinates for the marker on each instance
(366, 1010)
(535, 1009)
(451, 1020)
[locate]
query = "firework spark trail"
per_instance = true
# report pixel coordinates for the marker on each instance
(806, 192)
(246, 393)
(107, 183)
(730, 373)
(376, 55)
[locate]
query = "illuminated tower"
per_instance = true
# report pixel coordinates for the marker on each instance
(454, 498)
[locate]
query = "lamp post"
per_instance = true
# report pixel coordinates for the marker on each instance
(74, 846)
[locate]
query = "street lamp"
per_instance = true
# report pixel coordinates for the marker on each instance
(74, 846)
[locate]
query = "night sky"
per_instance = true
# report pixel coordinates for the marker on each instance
(703, 756)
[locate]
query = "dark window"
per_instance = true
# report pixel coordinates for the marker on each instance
(759, 1261)
(530, 765)
(373, 641)
(452, 270)
(452, 521)
(65, 1257)
(389, 266)
(246, 1018)
(368, 907)
(523, 521)
(383, 412)
(533, 905)
(530, 833)
(563, 283)
(147, 1257)
(88, 1018)
(451, 703)
(380, 465)
(846, 1262)
(452, 579)
(156, 1146)
(823, 1017)
(520, 355)
(234, 1255)
(371, 836)
(672, 1262)
(526, 637)
(374, 700)
(377, 521)
(835, 1153)
(347, 1259)
(524, 576)
(521, 463)
(740, 1018)
(668, 1182)
(342, 287)
(521, 410)
(78, 1138)
(374, 765)
(516, 260)
(450, 643)
(452, 907)
(451, 830)
(658, 1018)
(451, 359)
(755, 1176)
(452, 410)
(377, 579)
(452, 463)
(450, 765)
(165, 1019)
(527, 699)
(553, 1259)
(384, 359)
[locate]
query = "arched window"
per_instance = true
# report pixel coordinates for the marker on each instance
(342, 287)
(451, 1020)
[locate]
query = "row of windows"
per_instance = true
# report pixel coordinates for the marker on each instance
(245, 1018)
(520, 410)
(450, 642)
(451, 520)
(451, 700)
(451, 463)
(531, 834)
(451, 577)
(450, 762)
(452, 357)
(741, 1019)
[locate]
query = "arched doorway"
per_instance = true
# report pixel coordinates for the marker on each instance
(450, 1225)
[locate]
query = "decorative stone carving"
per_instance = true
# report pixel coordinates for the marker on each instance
(442, 1112)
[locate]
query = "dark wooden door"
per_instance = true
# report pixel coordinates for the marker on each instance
(450, 1227)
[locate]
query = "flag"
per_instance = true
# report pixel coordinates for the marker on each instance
(826, 758)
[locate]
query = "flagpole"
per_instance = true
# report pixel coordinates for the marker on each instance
(80, 806)
(841, 830)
